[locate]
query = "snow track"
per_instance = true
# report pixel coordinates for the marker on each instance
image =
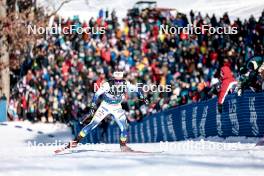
(200, 157)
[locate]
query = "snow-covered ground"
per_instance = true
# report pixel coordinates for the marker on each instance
(209, 157)
(90, 8)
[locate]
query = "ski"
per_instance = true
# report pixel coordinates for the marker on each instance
(60, 150)
(139, 151)
(70, 145)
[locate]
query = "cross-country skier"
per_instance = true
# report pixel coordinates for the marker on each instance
(112, 93)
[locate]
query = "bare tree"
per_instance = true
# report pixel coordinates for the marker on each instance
(4, 56)
(14, 36)
(60, 6)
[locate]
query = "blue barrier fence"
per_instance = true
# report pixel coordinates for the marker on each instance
(3, 111)
(242, 116)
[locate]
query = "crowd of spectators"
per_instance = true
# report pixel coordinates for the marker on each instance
(58, 75)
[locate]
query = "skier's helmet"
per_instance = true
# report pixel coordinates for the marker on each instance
(118, 75)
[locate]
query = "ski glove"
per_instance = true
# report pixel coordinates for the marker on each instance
(92, 108)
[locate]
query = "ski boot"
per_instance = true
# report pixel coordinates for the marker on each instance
(74, 142)
(123, 146)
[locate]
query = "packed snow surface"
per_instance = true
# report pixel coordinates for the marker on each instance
(27, 149)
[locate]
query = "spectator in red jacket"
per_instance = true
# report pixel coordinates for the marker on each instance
(227, 82)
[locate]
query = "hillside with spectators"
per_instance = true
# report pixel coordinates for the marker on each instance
(56, 79)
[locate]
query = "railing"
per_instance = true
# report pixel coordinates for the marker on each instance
(241, 116)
